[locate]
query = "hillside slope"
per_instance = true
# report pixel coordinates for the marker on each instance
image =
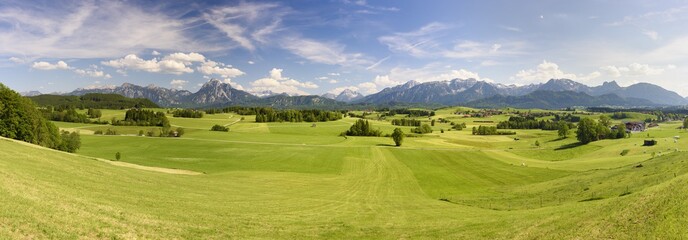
(44, 194)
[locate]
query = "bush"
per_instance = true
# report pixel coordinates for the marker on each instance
(422, 129)
(70, 142)
(98, 132)
(362, 128)
(219, 128)
(625, 152)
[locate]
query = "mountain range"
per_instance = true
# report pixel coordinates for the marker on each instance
(459, 91)
(555, 93)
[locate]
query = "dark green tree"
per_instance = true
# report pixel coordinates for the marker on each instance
(398, 136)
(70, 142)
(20, 119)
(563, 130)
(587, 131)
(118, 156)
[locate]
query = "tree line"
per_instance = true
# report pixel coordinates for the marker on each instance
(529, 122)
(92, 100)
(297, 116)
(490, 130)
(142, 117)
(20, 119)
(406, 122)
(590, 131)
(187, 113)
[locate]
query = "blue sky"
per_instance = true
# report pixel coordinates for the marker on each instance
(314, 47)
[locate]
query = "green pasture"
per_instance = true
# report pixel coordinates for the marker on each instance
(304, 181)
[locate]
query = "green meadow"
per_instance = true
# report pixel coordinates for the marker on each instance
(303, 180)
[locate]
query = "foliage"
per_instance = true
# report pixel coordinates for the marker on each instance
(529, 122)
(219, 128)
(459, 127)
(92, 100)
(425, 128)
(362, 128)
(398, 136)
(490, 130)
(94, 113)
(20, 119)
(118, 156)
(143, 117)
(685, 123)
(590, 131)
(406, 122)
(563, 130)
(70, 142)
(587, 131)
(187, 113)
(411, 112)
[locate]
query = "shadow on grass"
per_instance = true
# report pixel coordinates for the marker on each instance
(385, 145)
(568, 146)
(557, 140)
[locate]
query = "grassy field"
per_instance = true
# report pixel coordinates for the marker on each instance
(302, 180)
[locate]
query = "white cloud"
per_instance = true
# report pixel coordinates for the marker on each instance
(179, 84)
(226, 71)
(320, 52)
(251, 62)
(385, 81)
(334, 74)
(427, 73)
(651, 34)
(60, 65)
(233, 84)
(184, 57)
(332, 81)
(635, 69)
(367, 88)
(175, 63)
(421, 43)
(88, 29)
(17, 60)
(133, 62)
(155, 53)
(549, 70)
(276, 83)
(92, 73)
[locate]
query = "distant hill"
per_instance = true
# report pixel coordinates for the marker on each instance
(93, 100)
(559, 99)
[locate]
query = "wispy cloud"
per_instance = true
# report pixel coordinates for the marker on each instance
(422, 43)
(247, 23)
(87, 30)
(324, 52)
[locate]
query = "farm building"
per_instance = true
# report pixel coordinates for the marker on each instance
(635, 126)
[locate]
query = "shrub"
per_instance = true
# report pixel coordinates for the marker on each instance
(219, 128)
